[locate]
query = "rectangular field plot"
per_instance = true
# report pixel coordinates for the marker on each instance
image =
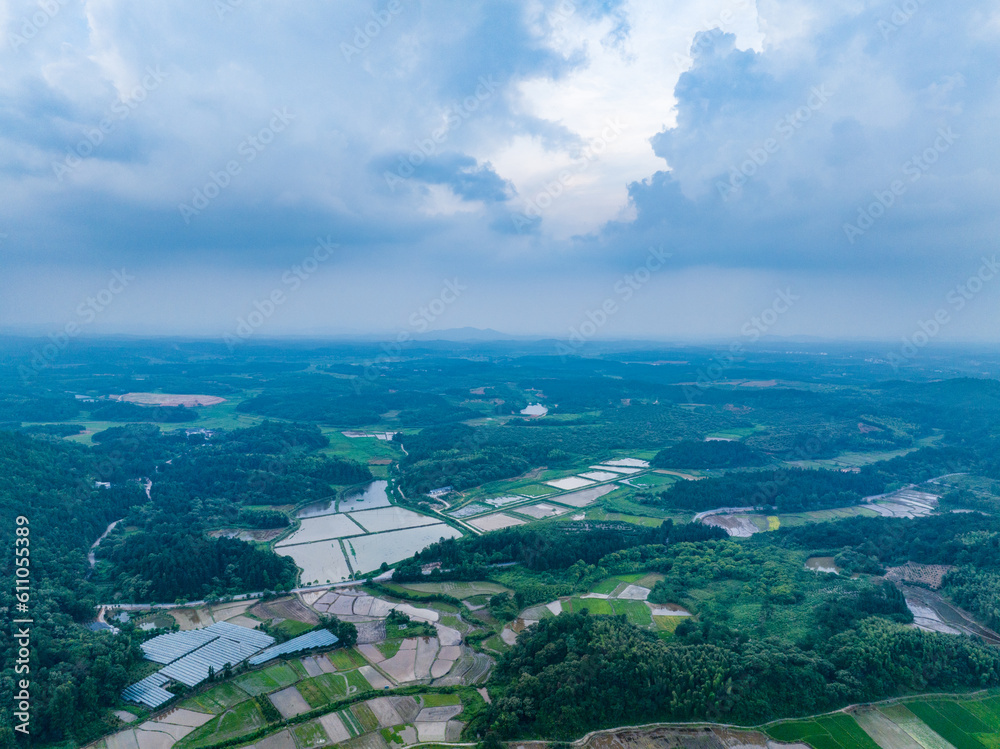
(458, 590)
(242, 719)
(322, 528)
(496, 521)
(323, 689)
(344, 660)
(919, 731)
(885, 733)
(269, 679)
(584, 497)
(596, 606)
(598, 475)
(503, 501)
(618, 469)
(827, 732)
(370, 551)
(650, 479)
(536, 490)
(952, 722)
(390, 518)
(320, 562)
(541, 510)
(988, 711)
(217, 699)
(573, 482)
(469, 510)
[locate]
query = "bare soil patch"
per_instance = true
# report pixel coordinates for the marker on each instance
(285, 608)
(289, 702)
(170, 399)
(930, 575)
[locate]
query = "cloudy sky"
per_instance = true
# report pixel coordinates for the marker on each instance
(651, 168)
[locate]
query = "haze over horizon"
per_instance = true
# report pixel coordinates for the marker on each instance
(661, 171)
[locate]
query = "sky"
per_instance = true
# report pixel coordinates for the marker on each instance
(660, 169)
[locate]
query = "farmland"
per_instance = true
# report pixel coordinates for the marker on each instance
(355, 534)
(937, 723)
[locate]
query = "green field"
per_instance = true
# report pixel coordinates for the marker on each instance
(361, 449)
(608, 586)
(351, 723)
(356, 679)
(665, 625)
(346, 659)
(458, 590)
(440, 700)
(827, 732)
(294, 628)
(323, 689)
(270, 679)
(216, 699)
(596, 606)
(389, 648)
(952, 722)
(365, 716)
(310, 734)
(240, 720)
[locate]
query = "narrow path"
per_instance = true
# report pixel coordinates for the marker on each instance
(92, 554)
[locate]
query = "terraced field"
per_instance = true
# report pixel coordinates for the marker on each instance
(932, 723)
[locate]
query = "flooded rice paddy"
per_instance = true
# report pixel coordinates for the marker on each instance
(358, 533)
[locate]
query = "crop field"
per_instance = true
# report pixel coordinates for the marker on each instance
(272, 678)
(827, 732)
(240, 720)
(335, 540)
(916, 724)
(665, 625)
(440, 700)
(599, 513)
(361, 449)
(344, 660)
(953, 722)
(651, 480)
(309, 734)
(365, 716)
(217, 699)
(458, 590)
(323, 689)
(351, 722)
(608, 586)
(637, 611)
(792, 520)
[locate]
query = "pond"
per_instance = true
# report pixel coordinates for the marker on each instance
(822, 564)
(369, 496)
